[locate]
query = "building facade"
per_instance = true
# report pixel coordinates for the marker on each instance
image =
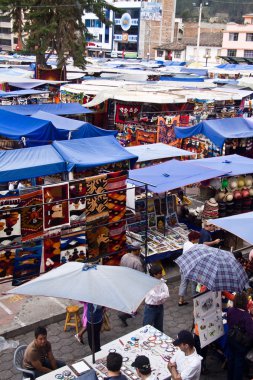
(8, 41)
(237, 44)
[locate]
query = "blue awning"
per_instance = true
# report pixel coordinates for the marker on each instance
(56, 109)
(36, 132)
(149, 152)
(232, 164)
(11, 94)
(239, 225)
(25, 163)
(180, 79)
(218, 130)
(78, 129)
(171, 175)
(91, 152)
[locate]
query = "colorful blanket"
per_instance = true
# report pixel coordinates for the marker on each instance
(73, 247)
(7, 262)
(52, 252)
(27, 263)
(96, 201)
(56, 205)
(10, 226)
(77, 203)
(31, 215)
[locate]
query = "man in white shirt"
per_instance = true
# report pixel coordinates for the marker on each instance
(186, 363)
(155, 298)
(193, 238)
(143, 367)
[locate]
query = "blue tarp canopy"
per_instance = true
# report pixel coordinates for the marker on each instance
(36, 132)
(239, 225)
(24, 163)
(90, 152)
(11, 94)
(56, 109)
(78, 129)
(232, 164)
(218, 130)
(171, 175)
(235, 66)
(149, 152)
(181, 79)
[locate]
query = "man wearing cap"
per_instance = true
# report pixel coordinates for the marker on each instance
(131, 260)
(206, 237)
(155, 298)
(185, 363)
(142, 366)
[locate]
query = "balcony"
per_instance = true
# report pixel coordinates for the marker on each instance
(134, 21)
(131, 37)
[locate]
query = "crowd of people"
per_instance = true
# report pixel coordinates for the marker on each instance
(190, 360)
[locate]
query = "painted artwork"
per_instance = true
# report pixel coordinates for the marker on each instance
(31, 215)
(10, 222)
(160, 223)
(77, 203)
(56, 205)
(171, 220)
(27, 263)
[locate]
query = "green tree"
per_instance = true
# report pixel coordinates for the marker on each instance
(54, 25)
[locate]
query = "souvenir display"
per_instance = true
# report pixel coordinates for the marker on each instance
(55, 205)
(7, 262)
(73, 247)
(52, 252)
(27, 263)
(31, 215)
(147, 341)
(77, 203)
(10, 222)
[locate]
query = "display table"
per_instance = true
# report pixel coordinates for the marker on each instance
(146, 341)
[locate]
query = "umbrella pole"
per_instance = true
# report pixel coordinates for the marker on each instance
(92, 336)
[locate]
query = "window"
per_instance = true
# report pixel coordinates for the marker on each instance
(5, 19)
(159, 53)
(177, 54)
(93, 23)
(5, 42)
(249, 36)
(231, 53)
(233, 36)
(5, 30)
(248, 53)
(208, 52)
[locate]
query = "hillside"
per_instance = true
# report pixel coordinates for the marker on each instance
(232, 9)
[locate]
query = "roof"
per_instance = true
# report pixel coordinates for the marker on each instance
(218, 130)
(171, 175)
(177, 46)
(56, 109)
(206, 39)
(156, 152)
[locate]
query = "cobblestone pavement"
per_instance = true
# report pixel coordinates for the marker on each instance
(66, 347)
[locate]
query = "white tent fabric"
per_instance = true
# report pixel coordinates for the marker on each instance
(157, 151)
(115, 287)
(239, 225)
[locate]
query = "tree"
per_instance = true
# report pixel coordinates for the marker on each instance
(54, 25)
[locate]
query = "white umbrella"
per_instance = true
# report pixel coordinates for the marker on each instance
(115, 287)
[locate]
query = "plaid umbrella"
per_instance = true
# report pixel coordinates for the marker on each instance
(214, 268)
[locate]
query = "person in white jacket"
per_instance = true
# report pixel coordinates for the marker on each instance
(155, 298)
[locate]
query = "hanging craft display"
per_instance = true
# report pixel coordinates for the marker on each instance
(7, 262)
(165, 133)
(27, 263)
(77, 203)
(10, 226)
(127, 113)
(97, 232)
(56, 205)
(73, 247)
(31, 215)
(96, 201)
(52, 252)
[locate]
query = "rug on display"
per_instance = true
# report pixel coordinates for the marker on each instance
(56, 205)
(31, 215)
(10, 221)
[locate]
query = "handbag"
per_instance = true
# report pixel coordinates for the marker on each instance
(238, 335)
(106, 324)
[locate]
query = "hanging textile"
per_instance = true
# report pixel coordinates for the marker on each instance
(7, 262)
(127, 113)
(27, 263)
(52, 252)
(73, 247)
(165, 132)
(10, 226)
(56, 205)
(77, 203)
(96, 201)
(97, 232)
(31, 215)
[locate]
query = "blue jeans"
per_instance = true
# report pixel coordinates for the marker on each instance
(153, 315)
(46, 363)
(236, 360)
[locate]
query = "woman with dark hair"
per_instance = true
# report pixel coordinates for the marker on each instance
(238, 316)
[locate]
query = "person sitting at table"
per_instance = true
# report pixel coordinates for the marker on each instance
(143, 367)
(38, 355)
(113, 363)
(185, 363)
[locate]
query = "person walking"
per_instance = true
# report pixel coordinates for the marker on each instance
(131, 260)
(193, 238)
(238, 315)
(95, 318)
(155, 298)
(79, 336)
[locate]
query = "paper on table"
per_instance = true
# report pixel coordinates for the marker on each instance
(80, 367)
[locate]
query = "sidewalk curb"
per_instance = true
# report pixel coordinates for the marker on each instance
(55, 318)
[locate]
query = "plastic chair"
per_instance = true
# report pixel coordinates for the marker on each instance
(18, 363)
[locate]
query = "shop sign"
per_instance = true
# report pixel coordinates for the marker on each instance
(124, 37)
(126, 22)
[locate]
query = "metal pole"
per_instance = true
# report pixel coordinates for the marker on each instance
(199, 25)
(146, 228)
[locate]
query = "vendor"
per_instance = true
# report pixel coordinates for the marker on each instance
(206, 236)
(182, 204)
